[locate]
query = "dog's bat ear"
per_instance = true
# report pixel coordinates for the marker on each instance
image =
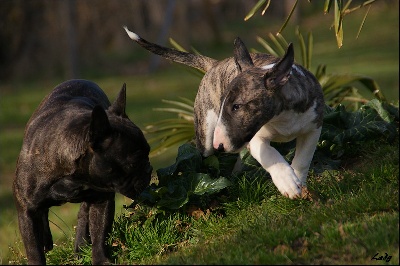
(99, 125)
(118, 106)
(241, 55)
(280, 72)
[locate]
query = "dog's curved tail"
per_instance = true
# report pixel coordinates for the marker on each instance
(201, 62)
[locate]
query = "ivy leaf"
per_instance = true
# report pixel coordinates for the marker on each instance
(188, 159)
(208, 185)
(184, 178)
(341, 127)
(381, 108)
(174, 200)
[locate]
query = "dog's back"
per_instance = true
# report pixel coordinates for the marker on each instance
(45, 134)
(67, 97)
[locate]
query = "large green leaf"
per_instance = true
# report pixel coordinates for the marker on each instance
(188, 160)
(189, 175)
(341, 127)
(206, 184)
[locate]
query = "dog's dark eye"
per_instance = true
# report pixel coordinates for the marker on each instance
(235, 107)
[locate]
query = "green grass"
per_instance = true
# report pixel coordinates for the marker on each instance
(354, 217)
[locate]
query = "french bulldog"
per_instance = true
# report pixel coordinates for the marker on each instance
(78, 148)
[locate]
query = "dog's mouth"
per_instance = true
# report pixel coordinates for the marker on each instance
(230, 149)
(136, 184)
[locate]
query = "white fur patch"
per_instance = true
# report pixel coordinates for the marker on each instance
(269, 66)
(288, 125)
(210, 124)
(298, 70)
(305, 148)
(284, 127)
(220, 135)
(271, 160)
(220, 112)
(131, 34)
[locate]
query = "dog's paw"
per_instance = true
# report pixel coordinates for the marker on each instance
(287, 183)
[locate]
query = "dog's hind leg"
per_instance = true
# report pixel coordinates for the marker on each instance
(305, 148)
(271, 160)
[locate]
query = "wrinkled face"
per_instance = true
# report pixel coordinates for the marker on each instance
(245, 109)
(121, 162)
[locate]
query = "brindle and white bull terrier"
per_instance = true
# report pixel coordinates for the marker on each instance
(78, 148)
(253, 99)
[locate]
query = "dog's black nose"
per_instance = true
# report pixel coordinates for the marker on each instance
(221, 147)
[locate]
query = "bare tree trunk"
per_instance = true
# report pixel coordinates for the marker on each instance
(162, 37)
(211, 20)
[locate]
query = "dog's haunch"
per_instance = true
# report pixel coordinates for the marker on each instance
(78, 147)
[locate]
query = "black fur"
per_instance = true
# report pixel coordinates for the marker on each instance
(77, 148)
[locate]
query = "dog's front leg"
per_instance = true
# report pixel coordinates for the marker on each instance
(305, 148)
(271, 160)
(101, 217)
(82, 229)
(31, 228)
(47, 237)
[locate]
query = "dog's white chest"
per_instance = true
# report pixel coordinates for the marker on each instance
(288, 125)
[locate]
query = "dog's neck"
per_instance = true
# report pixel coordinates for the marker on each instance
(83, 162)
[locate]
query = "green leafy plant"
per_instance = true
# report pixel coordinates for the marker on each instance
(168, 132)
(341, 9)
(190, 176)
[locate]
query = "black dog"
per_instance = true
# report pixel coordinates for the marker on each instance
(78, 148)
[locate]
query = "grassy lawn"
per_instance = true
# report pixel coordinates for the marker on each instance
(353, 216)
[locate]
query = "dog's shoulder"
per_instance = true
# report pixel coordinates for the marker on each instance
(60, 124)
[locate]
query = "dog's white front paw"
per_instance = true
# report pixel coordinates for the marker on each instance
(286, 181)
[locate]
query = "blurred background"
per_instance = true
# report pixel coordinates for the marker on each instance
(75, 38)
(45, 42)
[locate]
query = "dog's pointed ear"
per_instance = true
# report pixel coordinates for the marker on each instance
(99, 126)
(241, 55)
(118, 106)
(280, 72)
